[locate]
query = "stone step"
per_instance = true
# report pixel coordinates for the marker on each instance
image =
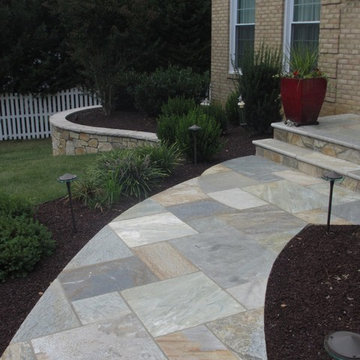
(336, 136)
(308, 161)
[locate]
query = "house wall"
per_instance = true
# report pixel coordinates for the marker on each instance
(221, 82)
(339, 48)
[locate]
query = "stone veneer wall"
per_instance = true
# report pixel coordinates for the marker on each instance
(339, 48)
(73, 139)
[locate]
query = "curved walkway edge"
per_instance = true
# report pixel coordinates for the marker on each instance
(182, 274)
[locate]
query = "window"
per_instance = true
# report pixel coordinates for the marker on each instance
(302, 23)
(242, 29)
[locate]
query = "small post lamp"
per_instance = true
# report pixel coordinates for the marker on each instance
(241, 105)
(68, 179)
(194, 129)
(331, 176)
(205, 102)
(343, 345)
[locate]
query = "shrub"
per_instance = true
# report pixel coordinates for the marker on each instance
(123, 91)
(156, 88)
(232, 108)
(23, 241)
(166, 157)
(169, 117)
(216, 111)
(178, 106)
(208, 139)
(132, 173)
(260, 88)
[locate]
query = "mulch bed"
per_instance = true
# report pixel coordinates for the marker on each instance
(313, 290)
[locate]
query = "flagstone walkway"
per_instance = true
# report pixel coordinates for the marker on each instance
(183, 274)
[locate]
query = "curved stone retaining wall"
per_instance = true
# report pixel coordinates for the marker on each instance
(73, 139)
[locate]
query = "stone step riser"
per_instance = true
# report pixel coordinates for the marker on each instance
(310, 169)
(325, 147)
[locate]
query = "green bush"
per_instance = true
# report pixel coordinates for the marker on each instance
(23, 241)
(123, 91)
(259, 86)
(175, 129)
(216, 111)
(155, 89)
(232, 108)
(169, 117)
(166, 157)
(125, 172)
(178, 106)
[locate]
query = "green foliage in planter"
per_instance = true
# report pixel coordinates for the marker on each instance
(126, 172)
(23, 241)
(155, 89)
(232, 108)
(259, 85)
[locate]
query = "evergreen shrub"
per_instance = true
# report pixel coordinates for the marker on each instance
(259, 85)
(155, 89)
(232, 108)
(23, 240)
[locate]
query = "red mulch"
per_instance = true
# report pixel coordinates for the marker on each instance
(18, 296)
(313, 290)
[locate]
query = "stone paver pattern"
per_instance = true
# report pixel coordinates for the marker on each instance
(182, 275)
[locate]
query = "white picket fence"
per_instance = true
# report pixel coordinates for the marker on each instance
(27, 116)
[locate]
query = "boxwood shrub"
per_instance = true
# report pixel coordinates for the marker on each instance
(155, 89)
(23, 240)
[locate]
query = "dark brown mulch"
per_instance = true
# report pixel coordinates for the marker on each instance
(128, 120)
(18, 296)
(313, 290)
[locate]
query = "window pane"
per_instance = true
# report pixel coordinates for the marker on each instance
(306, 10)
(246, 12)
(305, 35)
(245, 35)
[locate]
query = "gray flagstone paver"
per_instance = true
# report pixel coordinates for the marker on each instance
(182, 274)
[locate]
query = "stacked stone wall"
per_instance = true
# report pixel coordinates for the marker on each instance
(72, 139)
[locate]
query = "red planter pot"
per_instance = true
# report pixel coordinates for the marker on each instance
(302, 99)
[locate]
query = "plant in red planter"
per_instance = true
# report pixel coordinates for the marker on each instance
(303, 89)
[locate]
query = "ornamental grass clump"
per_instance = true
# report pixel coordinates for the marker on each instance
(23, 240)
(126, 172)
(303, 64)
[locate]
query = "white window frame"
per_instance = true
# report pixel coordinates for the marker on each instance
(232, 37)
(288, 22)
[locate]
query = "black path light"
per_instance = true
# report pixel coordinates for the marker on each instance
(331, 176)
(194, 129)
(343, 345)
(68, 179)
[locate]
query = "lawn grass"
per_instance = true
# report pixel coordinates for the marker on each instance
(30, 171)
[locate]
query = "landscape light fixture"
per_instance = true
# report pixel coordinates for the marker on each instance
(331, 176)
(241, 105)
(68, 179)
(205, 102)
(194, 129)
(343, 345)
